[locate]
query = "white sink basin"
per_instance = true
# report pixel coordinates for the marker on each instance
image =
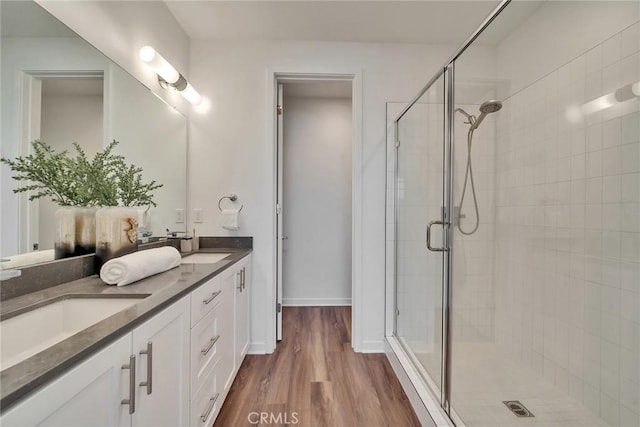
(29, 333)
(202, 258)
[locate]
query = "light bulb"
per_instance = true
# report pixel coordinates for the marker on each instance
(599, 104)
(191, 95)
(159, 65)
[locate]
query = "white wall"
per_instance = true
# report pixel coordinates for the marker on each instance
(317, 200)
(120, 28)
(230, 149)
(72, 118)
(66, 119)
(152, 136)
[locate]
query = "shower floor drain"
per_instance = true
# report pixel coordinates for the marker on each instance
(517, 408)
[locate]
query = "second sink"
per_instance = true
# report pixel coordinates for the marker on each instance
(204, 258)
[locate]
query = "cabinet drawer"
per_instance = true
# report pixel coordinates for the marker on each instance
(204, 299)
(206, 402)
(205, 344)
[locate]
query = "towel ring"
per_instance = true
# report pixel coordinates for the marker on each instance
(231, 197)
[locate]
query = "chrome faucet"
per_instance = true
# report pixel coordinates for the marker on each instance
(174, 233)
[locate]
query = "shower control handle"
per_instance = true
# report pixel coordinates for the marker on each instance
(431, 224)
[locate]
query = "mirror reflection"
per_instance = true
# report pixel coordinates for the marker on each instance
(58, 88)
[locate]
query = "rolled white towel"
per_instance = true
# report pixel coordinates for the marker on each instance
(35, 257)
(130, 268)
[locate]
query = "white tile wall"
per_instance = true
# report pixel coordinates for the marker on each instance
(567, 262)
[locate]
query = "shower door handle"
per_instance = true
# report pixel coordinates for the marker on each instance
(431, 224)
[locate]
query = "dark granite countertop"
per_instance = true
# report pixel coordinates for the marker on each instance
(162, 290)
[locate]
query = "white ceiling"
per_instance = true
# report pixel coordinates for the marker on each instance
(427, 21)
(449, 21)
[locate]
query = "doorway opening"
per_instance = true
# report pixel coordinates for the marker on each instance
(316, 185)
(58, 109)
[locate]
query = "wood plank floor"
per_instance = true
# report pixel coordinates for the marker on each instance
(315, 378)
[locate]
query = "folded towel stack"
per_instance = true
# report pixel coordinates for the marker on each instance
(130, 268)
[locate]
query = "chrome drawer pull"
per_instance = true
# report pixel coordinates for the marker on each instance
(208, 348)
(213, 296)
(131, 401)
(212, 403)
(148, 382)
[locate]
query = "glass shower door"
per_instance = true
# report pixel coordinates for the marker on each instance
(420, 138)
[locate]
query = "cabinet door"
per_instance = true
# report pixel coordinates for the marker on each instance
(242, 310)
(226, 365)
(161, 346)
(88, 395)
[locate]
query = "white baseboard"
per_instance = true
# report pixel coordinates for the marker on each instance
(257, 348)
(315, 302)
(373, 346)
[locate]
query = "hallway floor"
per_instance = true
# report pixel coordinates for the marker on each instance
(315, 378)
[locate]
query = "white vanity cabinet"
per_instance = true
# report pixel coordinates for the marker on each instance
(219, 340)
(161, 347)
(173, 370)
(207, 401)
(104, 391)
(90, 394)
(242, 318)
(209, 340)
(235, 290)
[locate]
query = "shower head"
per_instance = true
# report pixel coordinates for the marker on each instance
(488, 107)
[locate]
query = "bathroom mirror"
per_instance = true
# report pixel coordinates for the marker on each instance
(58, 88)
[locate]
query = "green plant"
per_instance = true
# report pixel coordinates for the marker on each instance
(99, 187)
(105, 180)
(131, 190)
(48, 173)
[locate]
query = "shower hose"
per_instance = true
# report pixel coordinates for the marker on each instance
(468, 176)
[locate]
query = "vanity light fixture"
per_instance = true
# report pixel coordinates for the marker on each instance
(625, 93)
(169, 76)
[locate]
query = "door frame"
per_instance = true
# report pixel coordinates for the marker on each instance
(29, 129)
(355, 77)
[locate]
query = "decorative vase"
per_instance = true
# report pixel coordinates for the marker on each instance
(85, 230)
(65, 232)
(116, 233)
(75, 231)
